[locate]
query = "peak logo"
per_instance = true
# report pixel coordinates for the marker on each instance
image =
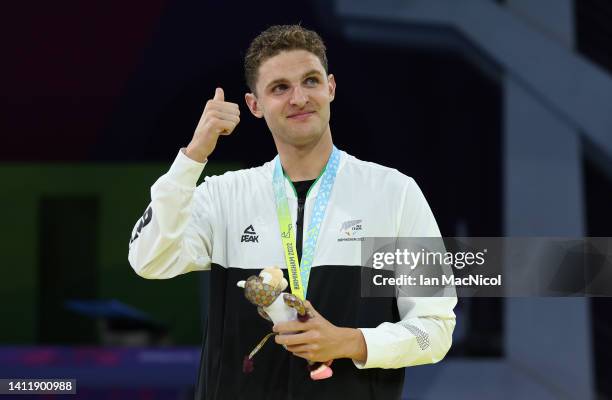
(249, 235)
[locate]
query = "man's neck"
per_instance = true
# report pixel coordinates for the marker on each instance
(306, 163)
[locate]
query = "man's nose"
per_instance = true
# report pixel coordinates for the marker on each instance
(298, 97)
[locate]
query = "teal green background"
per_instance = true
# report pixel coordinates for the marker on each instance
(123, 192)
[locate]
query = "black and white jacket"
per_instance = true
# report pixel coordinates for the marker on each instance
(228, 225)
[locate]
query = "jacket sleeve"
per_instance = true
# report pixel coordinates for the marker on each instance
(174, 236)
(424, 333)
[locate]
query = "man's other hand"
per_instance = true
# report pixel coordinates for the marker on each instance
(319, 340)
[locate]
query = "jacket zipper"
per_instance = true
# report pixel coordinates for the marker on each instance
(299, 226)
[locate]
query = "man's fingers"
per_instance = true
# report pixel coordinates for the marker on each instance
(290, 327)
(222, 108)
(232, 117)
(224, 127)
(228, 108)
(310, 309)
(301, 348)
(219, 95)
(295, 339)
(220, 126)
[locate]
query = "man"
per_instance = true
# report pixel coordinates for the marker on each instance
(233, 225)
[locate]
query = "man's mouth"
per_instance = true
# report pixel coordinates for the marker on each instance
(301, 115)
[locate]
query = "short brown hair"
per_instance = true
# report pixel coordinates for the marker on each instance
(276, 39)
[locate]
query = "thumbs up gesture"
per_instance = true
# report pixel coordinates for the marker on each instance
(219, 118)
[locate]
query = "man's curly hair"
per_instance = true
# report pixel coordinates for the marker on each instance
(276, 39)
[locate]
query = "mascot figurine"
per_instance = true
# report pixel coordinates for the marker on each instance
(266, 292)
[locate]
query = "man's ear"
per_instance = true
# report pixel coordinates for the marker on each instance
(253, 104)
(331, 82)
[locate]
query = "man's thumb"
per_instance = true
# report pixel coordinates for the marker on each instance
(219, 94)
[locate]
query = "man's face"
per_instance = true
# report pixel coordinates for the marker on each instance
(293, 94)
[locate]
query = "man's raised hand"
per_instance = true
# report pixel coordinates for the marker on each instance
(219, 118)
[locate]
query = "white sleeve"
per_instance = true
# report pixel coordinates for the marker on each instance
(174, 236)
(424, 333)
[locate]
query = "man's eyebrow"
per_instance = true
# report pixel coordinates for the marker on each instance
(283, 80)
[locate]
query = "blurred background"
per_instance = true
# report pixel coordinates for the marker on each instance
(501, 111)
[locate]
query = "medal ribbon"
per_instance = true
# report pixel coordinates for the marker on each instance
(299, 274)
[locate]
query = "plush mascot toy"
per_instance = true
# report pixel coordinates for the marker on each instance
(266, 292)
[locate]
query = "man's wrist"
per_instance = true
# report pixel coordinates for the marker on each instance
(195, 155)
(355, 345)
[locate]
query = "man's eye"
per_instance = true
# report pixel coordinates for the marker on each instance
(312, 81)
(279, 88)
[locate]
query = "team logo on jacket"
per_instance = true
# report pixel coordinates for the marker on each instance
(144, 221)
(350, 229)
(249, 235)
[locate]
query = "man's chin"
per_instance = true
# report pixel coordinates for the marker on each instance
(300, 138)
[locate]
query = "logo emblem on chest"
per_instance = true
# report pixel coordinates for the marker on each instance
(350, 229)
(249, 235)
